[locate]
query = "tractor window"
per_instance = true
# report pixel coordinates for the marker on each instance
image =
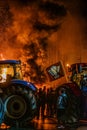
(79, 74)
(10, 71)
(55, 71)
(79, 68)
(6, 72)
(18, 74)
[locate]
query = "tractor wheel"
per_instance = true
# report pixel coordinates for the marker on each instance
(19, 105)
(72, 111)
(1, 111)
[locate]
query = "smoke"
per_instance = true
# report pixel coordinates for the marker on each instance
(26, 27)
(41, 32)
(69, 43)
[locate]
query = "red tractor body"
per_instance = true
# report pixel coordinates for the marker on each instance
(76, 89)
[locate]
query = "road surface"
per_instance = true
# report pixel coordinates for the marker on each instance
(48, 124)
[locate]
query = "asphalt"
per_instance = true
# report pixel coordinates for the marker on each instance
(50, 124)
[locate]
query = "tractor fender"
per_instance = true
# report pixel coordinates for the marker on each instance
(19, 103)
(30, 85)
(72, 111)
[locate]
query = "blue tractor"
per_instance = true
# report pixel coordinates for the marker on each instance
(17, 97)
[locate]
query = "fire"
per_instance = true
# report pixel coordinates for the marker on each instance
(2, 57)
(4, 126)
(4, 73)
(4, 70)
(68, 65)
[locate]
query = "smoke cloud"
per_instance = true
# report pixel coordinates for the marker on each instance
(42, 32)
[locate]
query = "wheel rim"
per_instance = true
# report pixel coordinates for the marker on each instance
(15, 106)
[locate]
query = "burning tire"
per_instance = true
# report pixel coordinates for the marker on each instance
(19, 104)
(72, 112)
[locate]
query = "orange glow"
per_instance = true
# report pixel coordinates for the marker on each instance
(4, 126)
(67, 65)
(4, 73)
(2, 57)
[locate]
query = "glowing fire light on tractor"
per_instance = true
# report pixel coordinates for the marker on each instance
(3, 75)
(9, 71)
(17, 99)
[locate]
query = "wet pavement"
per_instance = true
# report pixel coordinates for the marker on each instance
(48, 124)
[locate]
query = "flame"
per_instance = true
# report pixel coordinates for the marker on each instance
(4, 73)
(2, 57)
(4, 126)
(67, 65)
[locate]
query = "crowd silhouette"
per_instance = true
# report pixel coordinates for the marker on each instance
(46, 103)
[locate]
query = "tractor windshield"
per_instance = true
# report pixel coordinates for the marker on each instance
(79, 75)
(79, 68)
(10, 71)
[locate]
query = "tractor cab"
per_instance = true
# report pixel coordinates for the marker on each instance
(10, 69)
(75, 87)
(79, 75)
(17, 96)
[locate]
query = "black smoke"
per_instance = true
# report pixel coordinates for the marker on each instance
(26, 27)
(5, 16)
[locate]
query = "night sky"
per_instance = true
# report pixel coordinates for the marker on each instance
(42, 32)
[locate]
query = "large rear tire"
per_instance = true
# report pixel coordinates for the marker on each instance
(1, 111)
(19, 105)
(72, 112)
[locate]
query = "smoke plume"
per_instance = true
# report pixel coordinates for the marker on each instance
(42, 32)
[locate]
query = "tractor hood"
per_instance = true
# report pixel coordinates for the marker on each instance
(25, 83)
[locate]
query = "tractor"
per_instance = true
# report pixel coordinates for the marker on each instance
(75, 88)
(17, 97)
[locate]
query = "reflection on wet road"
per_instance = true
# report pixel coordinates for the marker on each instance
(47, 124)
